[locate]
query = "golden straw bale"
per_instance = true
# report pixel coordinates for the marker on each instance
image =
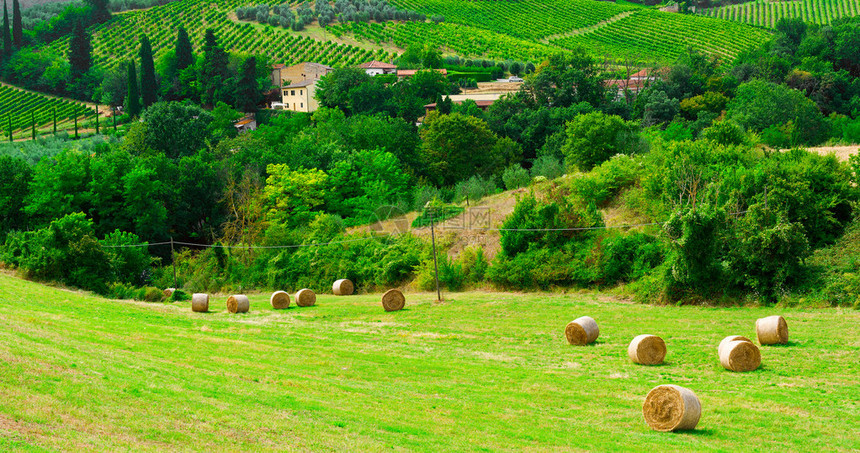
(200, 302)
(343, 287)
(671, 408)
(393, 300)
(581, 331)
(238, 304)
(728, 340)
(647, 350)
(739, 356)
(305, 298)
(771, 330)
(280, 300)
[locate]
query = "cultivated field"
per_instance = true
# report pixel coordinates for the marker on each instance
(482, 371)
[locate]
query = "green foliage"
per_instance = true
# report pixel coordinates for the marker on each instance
(291, 195)
(363, 182)
(436, 212)
(128, 261)
(132, 98)
(595, 137)
(474, 188)
(176, 129)
(456, 146)
(725, 133)
(148, 83)
(760, 105)
(515, 177)
(15, 177)
(695, 237)
(547, 166)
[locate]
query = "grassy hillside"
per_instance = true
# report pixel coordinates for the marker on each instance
(765, 13)
(524, 30)
(480, 371)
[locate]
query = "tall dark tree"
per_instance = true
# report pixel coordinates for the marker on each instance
(132, 99)
(215, 72)
(184, 52)
(148, 84)
(7, 34)
(17, 27)
(80, 51)
(99, 11)
(248, 89)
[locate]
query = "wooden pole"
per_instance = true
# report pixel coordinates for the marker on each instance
(97, 119)
(114, 119)
(435, 263)
(55, 121)
(173, 260)
(33, 123)
(76, 125)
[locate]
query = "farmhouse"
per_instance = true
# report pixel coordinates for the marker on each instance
(635, 83)
(297, 85)
(375, 68)
(248, 123)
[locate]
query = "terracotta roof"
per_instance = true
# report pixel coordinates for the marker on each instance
(377, 65)
(279, 66)
(478, 103)
(244, 121)
(411, 72)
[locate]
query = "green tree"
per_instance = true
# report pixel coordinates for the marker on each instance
(17, 27)
(176, 128)
(290, 196)
(595, 137)
(7, 34)
(214, 76)
(760, 105)
(333, 90)
(99, 11)
(184, 51)
(365, 181)
(428, 84)
(114, 87)
(15, 177)
(567, 79)
(80, 51)
(456, 146)
(132, 99)
(148, 83)
(248, 90)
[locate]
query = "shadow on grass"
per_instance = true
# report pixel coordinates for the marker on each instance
(789, 344)
(699, 432)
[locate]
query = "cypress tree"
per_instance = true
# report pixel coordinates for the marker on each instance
(248, 90)
(17, 28)
(184, 52)
(132, 100)
(100, 11)
(148, 84)
(7, 34)
(215, 72)
(80, 51)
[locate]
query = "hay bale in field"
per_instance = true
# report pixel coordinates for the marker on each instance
(305, 298)
(343, 287)
(739, 356)
(280, 300)
(238, 304)
(671, 408)
(581, 331)
(728, 340)
(200, 302)
(168, 292)
(647, 350)
(771, 330)
(393, 300)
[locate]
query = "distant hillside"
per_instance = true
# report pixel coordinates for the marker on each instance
(526, 30)
(765, 13)
(28, 3)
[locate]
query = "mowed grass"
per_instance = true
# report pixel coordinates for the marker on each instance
(482, 371)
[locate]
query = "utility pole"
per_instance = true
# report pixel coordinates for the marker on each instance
(432, 212)
(97, 119)
(173, 260)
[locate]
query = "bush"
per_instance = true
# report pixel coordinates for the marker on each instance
(594, 137)
(547, 166)
(515, 177)
(725, 133)
(474, 188)
(150, 294)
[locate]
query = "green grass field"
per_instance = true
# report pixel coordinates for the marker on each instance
(482, 371)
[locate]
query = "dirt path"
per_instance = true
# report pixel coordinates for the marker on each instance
(842, 152)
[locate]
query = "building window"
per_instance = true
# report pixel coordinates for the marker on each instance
(302, 105)
(292, 92)
(285, 92)
(301, 92)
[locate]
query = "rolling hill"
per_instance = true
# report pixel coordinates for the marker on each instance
(527, 30)
(766, 13)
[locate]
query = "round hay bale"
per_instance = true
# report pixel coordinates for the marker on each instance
(305, 298)
(581, 331)
(343, 287)
(728, 340)
(771, 330)
(393, 300)
(671, 408)
(280, 300)
(238, 303)
(200, 302)
(169, 292)
(647, 350)
(740, 356)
